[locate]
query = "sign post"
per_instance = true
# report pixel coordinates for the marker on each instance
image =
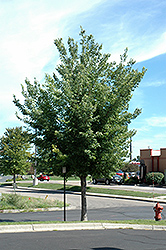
(64, 173)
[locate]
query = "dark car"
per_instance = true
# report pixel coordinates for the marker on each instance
(118, 179)
(43, 177)
(101, 180)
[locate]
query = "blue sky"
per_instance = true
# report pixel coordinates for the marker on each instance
(28, 29)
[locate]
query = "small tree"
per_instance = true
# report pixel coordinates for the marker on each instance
(14, 154)
(83, 109)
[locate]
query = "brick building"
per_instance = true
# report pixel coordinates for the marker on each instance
(154, 160)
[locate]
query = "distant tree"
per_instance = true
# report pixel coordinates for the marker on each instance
(137, 159)
(14, 152)
(83, 109)
(128, 167)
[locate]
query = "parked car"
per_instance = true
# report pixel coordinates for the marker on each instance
(101, 180)
(118, 179)
(132, 174)
(120, 172)
(43, 177)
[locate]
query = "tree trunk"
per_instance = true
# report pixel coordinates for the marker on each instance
(84, 216)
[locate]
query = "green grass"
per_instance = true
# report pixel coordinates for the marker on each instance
(139, 222)
(14, 201)
(57, 178)
(45, 185)
(92, 190)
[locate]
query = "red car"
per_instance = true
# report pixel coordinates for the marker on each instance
(43, 177)
(120, 172)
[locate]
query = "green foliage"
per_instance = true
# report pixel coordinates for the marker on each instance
(14, 151)
(14, 201)
(132, 180)
(137, 159)
(157, 177)
(127, 167)
(108, 175)
(83, 109)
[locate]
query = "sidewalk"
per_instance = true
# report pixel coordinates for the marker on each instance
(74, 226)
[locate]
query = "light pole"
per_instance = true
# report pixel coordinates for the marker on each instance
(64, 173)
(35, 180)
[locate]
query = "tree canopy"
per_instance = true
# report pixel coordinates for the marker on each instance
(14, 151)
(83, 110)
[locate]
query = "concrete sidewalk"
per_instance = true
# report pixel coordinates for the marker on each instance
(74, 226)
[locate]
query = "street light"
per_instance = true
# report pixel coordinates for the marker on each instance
(64, 172)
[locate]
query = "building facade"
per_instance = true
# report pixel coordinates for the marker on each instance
(154, 160)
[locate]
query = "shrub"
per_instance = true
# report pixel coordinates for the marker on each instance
(132, 180)
(158, 178)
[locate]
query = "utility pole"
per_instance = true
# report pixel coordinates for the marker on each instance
(35, 180)
(131, 149)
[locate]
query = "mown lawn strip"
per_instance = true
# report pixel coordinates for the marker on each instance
(93, 190)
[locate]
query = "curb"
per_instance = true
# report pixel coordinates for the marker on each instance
(157, 199)
(5, 211)
(75, 226)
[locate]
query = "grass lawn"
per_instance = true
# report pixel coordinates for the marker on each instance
(58, 178)
(15, 201)
(139, 222)
(91, 189)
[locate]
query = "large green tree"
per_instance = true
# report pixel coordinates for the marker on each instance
(14, 152)
(83, 110)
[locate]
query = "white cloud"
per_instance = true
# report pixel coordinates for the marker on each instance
(154, 142)
(151, 48)
(155, 83)
(156, 121)
(161, 137)
(28, 35)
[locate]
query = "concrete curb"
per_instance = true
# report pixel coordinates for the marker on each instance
(75, 226)
(5, 211)
(156, 199)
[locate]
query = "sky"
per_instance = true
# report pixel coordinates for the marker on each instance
(28, 29)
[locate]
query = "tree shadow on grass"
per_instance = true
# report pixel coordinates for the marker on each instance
(73, 188)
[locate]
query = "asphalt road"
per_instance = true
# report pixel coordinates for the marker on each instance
(121, 239)
(112, 213)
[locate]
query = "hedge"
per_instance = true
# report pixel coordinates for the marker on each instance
(158, 178)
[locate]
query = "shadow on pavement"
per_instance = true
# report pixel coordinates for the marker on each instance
(6, 220)
(106, 248)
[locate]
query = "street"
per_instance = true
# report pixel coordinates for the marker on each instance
(134, 211)
(121, 239)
